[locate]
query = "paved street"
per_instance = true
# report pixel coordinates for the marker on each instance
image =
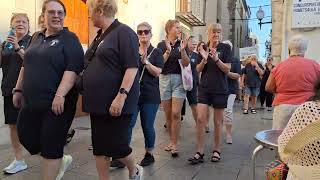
(235, 163)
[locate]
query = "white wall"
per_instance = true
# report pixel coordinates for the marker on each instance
(313, 35)
(155, 12)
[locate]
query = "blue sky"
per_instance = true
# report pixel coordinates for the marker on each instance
(264, 33)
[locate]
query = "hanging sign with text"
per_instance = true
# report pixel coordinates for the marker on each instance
(305, 13)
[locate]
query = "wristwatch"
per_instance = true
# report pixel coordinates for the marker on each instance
(14, 90)
(123, 91)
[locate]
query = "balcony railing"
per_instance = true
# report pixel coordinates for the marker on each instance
(191, 12)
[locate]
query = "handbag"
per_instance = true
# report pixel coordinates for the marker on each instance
(276, 170)
(144, 67)
(90, 54)
(187, 78)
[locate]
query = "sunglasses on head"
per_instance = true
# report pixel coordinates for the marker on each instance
(146, 32)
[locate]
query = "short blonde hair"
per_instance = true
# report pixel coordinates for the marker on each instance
(214, 27)
(144, 24)
(169, 25)
(15, 15)
(108, 7)
(298, 45)
(253, 57)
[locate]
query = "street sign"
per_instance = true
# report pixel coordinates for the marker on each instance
(305, 13)
(247, 51)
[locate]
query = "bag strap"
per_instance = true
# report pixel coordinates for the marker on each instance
(144, 67)
(98, 39)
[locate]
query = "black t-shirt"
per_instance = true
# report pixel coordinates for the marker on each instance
(235, 68)
(213, 80)
(11, 63)
(252, 78)
(265, 76)
(103, 77)
(171, 66)
(194, 58)
(149, 85)
(45, 61)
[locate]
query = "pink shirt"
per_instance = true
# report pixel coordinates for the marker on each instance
(295, 79)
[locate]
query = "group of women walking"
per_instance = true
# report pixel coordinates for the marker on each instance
(121, 75)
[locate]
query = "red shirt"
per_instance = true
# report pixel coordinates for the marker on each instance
(295, 79)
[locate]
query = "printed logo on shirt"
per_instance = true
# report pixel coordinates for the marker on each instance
(54, 42)
(193, 60)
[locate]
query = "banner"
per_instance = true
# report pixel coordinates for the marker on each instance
(247, 51)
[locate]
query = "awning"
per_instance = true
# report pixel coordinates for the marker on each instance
(190, 19)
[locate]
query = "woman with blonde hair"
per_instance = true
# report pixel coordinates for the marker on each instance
(171, 87)
(11, 62)
(213, 90)
(111, 88)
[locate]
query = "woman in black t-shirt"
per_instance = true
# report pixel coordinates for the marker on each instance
(50, 67)
(11, 62)
(212, 90)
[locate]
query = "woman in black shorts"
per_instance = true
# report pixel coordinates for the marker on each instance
(111, 88)
(11, 61)
(50, 67)
(212, 90)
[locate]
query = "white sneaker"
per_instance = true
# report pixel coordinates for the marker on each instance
(65, 163)
(139, 175)
(15, 166)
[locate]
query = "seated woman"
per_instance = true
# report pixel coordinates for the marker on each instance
(299, 144)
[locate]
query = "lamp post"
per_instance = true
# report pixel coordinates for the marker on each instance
(260, 16)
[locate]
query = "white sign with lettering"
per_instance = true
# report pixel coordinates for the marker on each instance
(247, 51)
(305, 13)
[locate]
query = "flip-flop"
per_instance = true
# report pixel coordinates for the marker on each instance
(174, 153)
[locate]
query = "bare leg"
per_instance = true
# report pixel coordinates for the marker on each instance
(203, 111)
(194, 112)
(102, 165)
(167, 107)
(218, 116)
(129, 162)
(254, 102)
(16, 146)
(176, 121)
(246, 102)
(50, 168)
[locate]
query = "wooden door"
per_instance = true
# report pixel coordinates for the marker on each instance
(78, 22)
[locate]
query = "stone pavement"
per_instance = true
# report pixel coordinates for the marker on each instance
(235, 163)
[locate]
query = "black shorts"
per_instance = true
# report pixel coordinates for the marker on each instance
(219, 101)
(110, 135)
(41, 131)
(10, 112)
(192, 95)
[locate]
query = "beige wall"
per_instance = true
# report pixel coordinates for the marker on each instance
(282, 23)
(155, 12)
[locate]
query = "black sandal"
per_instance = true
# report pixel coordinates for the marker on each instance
(174, 153)
(253, 111)
(197, 158)
(245, 111)
(215, 158)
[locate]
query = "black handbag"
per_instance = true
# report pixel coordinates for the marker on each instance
(90, 53)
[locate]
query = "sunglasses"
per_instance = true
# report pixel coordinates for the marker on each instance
(146, 32)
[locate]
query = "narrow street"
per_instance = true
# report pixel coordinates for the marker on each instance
(235, 163)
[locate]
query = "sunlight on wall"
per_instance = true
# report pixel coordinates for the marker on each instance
(155, 12)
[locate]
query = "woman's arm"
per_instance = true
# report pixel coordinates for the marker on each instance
(154, 70)
(271, 84)
(17, 96)
(67, 82)
(224, 67)
(234, 76)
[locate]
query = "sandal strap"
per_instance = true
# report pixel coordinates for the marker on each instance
(200, 155)
(215, 151)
